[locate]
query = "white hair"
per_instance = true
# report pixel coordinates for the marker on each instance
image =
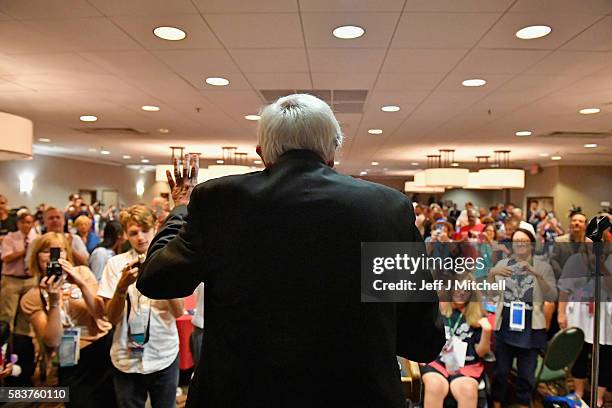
(298, 121)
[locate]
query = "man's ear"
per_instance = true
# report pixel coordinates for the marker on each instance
(330, 163)
(260, 154)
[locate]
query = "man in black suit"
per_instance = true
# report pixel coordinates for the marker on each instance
(279, 253)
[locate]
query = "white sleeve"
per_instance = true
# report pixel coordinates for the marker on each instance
(108, 283)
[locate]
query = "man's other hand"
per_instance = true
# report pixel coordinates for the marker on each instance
(184, 180)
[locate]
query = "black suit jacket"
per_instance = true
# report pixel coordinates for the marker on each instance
(279, 252)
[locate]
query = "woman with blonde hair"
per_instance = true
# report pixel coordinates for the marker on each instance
(68, 317)
(459, 367)
(87, 234)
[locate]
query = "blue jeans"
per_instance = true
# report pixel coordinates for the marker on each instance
(131, 389)
(526, 363)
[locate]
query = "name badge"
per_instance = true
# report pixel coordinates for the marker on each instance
(517, 316)
(454, 354)
(69, 351)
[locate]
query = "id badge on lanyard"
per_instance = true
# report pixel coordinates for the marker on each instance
(517, 316)
(138, 327)
(454, 354)
(69, 347)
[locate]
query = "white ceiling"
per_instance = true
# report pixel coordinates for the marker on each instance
(63, 59)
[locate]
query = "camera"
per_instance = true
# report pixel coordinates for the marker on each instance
(53, 267)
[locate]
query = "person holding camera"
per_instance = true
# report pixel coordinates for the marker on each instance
(145, 343)
(66, 314)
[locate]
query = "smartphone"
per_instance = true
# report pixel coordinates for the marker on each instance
(53, 267)
(517, 316)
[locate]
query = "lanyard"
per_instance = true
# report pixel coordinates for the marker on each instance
(454, 329)
(127, 319)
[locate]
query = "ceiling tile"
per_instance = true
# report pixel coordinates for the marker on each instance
(346, 60)
(33, 9)
(344, 6)
(144, 7)
(205, 63)
(464, 6)
(592, 38)
(257, 30)
(453, 82)
(279, 80)
(84, 34)
(480, 61)
(69, 81)
(241, 6)
(564, 27)
(378, 27)
(128, 64)
(271, 60)
(46, 63)
(400, 60)
(18, 37)
(572, 63)
(442, 30)
(343, 81)
(141, 29)
(563, 6)
(7, 86)
(408, 82)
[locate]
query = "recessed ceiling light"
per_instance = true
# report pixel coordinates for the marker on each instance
(363, 173)
(375, 131)
(257, 161)
(150, 108)
(590, 145)
(162, 130)
(543, 154)
(92, 150)
(104, 152)
(390, 108)
(220, 162)
(375, 163)
(555, 158)
(336, 162)
(44, 140)
(169, 33)
(414, 163)
(533, 32)
(144, 160)
(126, 157)
(589, 111)
(88, 118)
(252, 117)
(454, 164)
(523, 133)
(348, 32)
(217, 81)
(474, 82)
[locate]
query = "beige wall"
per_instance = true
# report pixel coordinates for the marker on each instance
(584, 186)
(55, 178)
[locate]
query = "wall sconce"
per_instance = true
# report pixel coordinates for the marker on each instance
(140, 188)
(26, 182)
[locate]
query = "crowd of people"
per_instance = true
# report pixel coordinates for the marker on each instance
(69, 300)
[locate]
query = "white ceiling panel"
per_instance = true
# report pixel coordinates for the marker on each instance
(326, 80)
(408, 82)
(7, 86)
(378, 27)
(257, 30)
(271, 60)
(144, 7)
(442, 30)
(128, 64)
(481, 61)
(563, 6)
(348, 6)
(66, 81)
(46, 63)
(346, 61)
(464, 6)
(205, 62)
(241, 6)
(18, 37)
(141, 29)
(84, 34)
(572, 63)
(32, 9)
(279, 80)
(593, 38)
(401, 60)
(564, 27)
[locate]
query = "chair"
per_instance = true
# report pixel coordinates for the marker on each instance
(411, 381)
(562, 351)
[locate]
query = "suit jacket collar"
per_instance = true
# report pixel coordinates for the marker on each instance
(301, 155)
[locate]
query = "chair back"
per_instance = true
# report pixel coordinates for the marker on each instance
(564, 348)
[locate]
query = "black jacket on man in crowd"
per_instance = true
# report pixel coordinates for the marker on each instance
(279, 253)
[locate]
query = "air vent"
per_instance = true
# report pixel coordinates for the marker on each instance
(577, 135)
(341, 100)
(111, 131)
